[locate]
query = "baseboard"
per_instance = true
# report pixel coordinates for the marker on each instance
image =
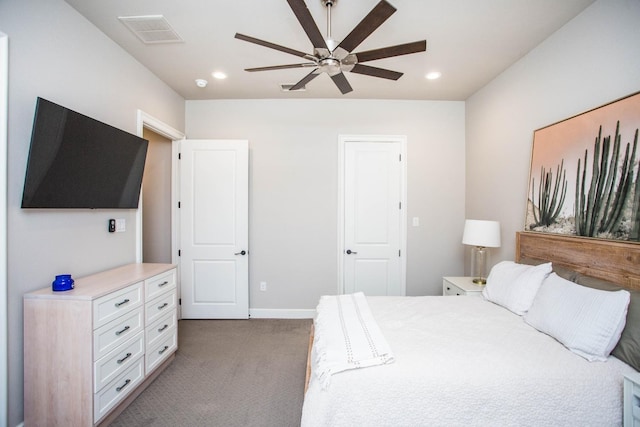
(276, 313)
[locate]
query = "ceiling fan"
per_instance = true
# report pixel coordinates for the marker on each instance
(335, 59)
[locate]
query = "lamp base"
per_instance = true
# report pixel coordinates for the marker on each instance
(479, 256)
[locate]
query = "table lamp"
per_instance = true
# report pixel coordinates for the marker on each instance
(480, 235)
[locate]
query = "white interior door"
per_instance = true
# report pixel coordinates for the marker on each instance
(373, 218)
(214, 253)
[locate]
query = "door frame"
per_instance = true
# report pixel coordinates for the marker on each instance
(4, 309)
(342, 141)
(147, 121)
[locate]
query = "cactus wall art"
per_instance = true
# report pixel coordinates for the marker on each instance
(585, 174)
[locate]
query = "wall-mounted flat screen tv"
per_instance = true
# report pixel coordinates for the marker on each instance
(78, 162)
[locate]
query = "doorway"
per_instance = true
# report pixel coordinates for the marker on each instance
(147, 122)
(156, 203)
(372, 215)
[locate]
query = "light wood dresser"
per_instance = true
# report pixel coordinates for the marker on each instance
(90, 351)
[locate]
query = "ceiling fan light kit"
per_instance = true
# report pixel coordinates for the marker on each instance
(336, 59)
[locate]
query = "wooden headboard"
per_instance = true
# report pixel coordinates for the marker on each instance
(615, 261)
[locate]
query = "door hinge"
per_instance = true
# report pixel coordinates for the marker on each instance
(399, 252)
(400, 205)
(399, 157)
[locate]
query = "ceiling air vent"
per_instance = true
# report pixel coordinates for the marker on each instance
(151, 29)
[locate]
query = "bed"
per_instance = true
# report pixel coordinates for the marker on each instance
(469, 361)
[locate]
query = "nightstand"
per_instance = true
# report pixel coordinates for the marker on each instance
(460, 286)
(632, 400)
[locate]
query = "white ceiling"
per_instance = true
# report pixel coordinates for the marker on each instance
(469, 41)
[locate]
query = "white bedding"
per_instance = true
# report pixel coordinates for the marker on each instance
(348, 337)
(467, 361)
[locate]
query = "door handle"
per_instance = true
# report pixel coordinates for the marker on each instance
(349, 252)
(242, 252)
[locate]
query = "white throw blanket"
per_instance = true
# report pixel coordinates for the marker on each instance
(347, 336)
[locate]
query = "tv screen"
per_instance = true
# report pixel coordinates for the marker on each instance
(78, 162)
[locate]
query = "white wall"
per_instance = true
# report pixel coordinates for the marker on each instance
(56, 54)
(592, 60)
(293, 213)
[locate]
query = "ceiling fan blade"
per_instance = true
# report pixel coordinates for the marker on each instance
(341, 81)
(380, 13)
(376, 72)
(271, 45)
(388, 52)
(282, 67)
(302, 83)
(309, 26)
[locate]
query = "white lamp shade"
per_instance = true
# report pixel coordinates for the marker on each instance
(481, 233)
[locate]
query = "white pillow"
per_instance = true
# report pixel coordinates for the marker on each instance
(587, 321)
(514, 286)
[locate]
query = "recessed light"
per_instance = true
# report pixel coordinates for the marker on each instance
(433, 75)
(201, 83)
(219, 75)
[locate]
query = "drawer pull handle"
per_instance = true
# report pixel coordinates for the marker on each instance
(163, 328)
(123, 330)
(163, 306)
(166, 282)
(118, 304)
(124, 358)
(126, 383)
(166, 347)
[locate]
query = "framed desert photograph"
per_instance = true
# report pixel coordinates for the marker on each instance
(584, 174)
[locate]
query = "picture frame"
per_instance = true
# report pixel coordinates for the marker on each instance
(584, 174)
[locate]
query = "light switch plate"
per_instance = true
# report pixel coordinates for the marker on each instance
(121, 225)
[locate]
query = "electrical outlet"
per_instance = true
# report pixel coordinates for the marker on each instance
(263, 286)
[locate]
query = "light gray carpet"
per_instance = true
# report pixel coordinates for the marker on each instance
(228, 373)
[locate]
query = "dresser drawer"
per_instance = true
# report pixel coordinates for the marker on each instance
(160, 306)
(117, 390)
(114, 363)
(631, 406)
(449, 289)
(158, 353)
(111, 306)
(157, 331)
(461, 286)
(159, 284)
(111, 335)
